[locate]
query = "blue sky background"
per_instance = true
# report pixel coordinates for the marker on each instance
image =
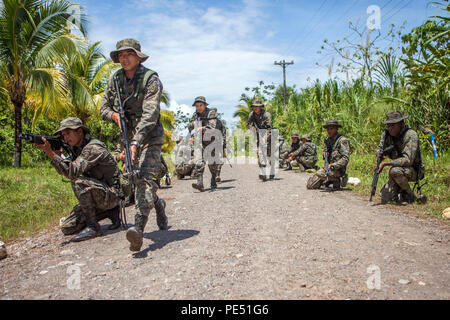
(217, 48)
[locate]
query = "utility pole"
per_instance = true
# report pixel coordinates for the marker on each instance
(283, 64)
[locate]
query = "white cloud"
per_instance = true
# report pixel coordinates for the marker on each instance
(214, 52)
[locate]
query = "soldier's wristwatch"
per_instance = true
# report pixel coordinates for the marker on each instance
(135, 143)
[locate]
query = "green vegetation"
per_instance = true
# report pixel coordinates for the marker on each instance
(415, 82)
(32, 199)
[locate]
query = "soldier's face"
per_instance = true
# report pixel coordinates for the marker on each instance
(257, 110)
(395, 128)
(73, 137)
(129, 60)
(200, 107)
(294, 140)
(332, 131)
(303, 140)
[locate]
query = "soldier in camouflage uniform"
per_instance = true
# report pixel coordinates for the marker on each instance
(95, 180)
(406, 164)
(295, 145)
(205, 122)
(305, 157)
(184, 161)
(141, 92)
(338, 156)
(260, 121)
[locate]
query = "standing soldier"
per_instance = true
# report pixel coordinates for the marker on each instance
(305, 157)
(260, 122)
(141, 93)
(338, 155)
(406, 164)
(203, 122)
(95, 180)
(295, 145)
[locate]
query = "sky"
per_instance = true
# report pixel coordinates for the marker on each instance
(218, 48)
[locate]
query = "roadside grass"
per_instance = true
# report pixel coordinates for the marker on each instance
(32, 199)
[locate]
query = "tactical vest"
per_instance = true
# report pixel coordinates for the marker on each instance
(418, 163)
(111, 174)
(132, 99)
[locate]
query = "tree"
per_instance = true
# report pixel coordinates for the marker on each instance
(32, 34)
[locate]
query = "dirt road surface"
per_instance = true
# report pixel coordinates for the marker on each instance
(246, 240)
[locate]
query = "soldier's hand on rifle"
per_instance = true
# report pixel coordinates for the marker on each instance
(381, 167)
(47, 148)
(121, 156)
(133, 150)
(116, 118)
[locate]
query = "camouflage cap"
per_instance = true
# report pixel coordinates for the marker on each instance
(306, 137)
(294, 135)
(395, 117)
(332, 122)
(127, 44)
(71, 123)
(257, 103)
(200, 99)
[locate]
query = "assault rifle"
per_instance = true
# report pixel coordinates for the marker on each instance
(376, 174)
(130, 173)
(55, 143)
(326, 153)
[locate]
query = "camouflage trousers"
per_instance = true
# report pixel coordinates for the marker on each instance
(94, 197)
(397, 183)
(265, 162)
(316, 181)
(200, 165)
(304, 163)
(150, 168)
(184, 169)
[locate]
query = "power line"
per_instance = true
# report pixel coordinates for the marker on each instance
(307, 25)
(309, 22)
(284, 64)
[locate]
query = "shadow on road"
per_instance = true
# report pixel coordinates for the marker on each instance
(162, 238)
(229, 180)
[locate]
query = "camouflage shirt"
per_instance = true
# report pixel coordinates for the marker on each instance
(207, 120)
(406, 152)
(338, 152)
(184, 154)
(261, 121)
(307, 150)
(141, 102)
(92, 160)
(294, 147)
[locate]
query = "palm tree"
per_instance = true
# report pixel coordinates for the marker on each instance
(389, 72)
(32, 34)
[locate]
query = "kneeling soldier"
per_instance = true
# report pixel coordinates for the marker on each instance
(306, 156)
(406, 158)
(338, 148)
(295, 145)
(95, 180)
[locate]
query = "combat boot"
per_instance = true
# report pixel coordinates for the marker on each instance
(218, 179)
(407, 197)
(114, 216)
(91, 231)
(161, 218)
(199, 184)
(344, 180)
(213, 183)
(136, 233)
(262, 177)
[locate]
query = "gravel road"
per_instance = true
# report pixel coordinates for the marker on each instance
(246, 240)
